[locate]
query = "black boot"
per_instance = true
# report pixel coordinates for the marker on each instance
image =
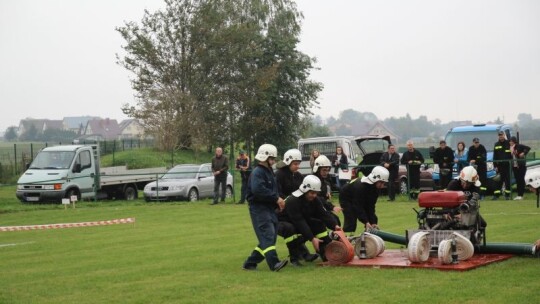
(294, 252)
(308, 257)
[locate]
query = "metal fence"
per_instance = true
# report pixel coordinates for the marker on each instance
(15, 157)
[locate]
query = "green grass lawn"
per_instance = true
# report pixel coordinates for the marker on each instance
(193, 252)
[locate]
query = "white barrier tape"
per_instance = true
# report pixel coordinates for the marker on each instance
(69, 225)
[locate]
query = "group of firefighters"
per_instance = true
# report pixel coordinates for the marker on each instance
(299, 209)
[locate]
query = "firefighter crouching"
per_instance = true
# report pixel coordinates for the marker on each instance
(304, 217)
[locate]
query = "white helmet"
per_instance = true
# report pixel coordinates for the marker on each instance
(378, 173)
(265, 151)
(292, 155)
(532, 178)
(321, 161)
(470, 175)
(310, 183)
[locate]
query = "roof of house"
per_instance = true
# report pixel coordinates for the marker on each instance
(76, 121)
(107, 128)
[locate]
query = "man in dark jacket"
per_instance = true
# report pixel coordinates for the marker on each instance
(390, 160)
(519, 167)
(413, 159)
(243, 164)
(289, 179)
(220, 167)
(263, 199)
(477, 158)
(304, 214)
(444, 157)
(358, 199)
(501, 158)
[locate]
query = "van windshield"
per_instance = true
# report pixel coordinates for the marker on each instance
(53, 160)
(487, 139)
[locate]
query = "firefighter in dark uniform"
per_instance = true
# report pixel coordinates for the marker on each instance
(263, 199)
(501, 157)
(289, 180)
(321, 169)
(412, 158)
(477, 158)
(444, 157)
(358, 199)
(469, 183)
(308, 217)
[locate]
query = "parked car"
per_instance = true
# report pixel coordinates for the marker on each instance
(372, 147)
(191, 182)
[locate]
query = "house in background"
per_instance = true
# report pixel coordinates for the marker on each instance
(131, 128)
(77, 124)
(40, 125)
(102, 129)
(365, 128)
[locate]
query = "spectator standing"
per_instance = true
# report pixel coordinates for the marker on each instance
(390, 160)
(314, 154)
(501, 158)
(220, 167)
(444, 157)
(413, 159)
(460, 156)
(243, 164)
(519, 152)
(263, 199)
(476, 156)
(340, 161)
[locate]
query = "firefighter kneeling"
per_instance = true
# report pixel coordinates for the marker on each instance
(304, 218)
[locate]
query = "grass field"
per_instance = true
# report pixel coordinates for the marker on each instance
(193, 252)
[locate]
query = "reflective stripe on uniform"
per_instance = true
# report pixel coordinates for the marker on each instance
(322, 234)
(263, 252)
(497, 192)
(292, 238)
(483, 188)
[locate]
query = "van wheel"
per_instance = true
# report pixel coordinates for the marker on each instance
(73, 192)
(403, 186)
(193, 195)
(229, 192)
(130, 193)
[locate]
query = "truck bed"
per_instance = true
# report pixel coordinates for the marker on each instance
(121, 175)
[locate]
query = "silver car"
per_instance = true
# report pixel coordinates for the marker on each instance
(191, 182)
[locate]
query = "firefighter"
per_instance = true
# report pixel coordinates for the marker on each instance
(519, 167)
(477, 158)
(469, 183)
(304, 214)
(412, 158)
(263, 198)
(289, 179)
(532, 180)
(444, 157)
(321, 169)
(358, 199)
(501, 157)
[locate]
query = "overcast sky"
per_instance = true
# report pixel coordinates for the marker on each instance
(447, 60)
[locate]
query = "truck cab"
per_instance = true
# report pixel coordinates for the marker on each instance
(488, 135)
(60, 172)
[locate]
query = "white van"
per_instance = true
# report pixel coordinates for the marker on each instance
(327, 146)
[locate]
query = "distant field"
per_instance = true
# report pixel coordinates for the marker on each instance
(193, 252)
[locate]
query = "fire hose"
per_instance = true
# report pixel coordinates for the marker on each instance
(510, 248)
(340, 250)
(368, 246)
(463, 248)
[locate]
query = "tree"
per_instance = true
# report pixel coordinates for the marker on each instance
(227, 68)
(11, 133)
(30, 134)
